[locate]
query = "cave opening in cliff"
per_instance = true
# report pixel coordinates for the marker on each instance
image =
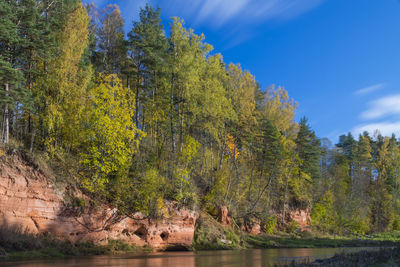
(164, 236)
(141, 232)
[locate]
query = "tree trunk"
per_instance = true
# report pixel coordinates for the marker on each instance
(137, 103)
(32, 140)
(285, 199)
(172, 115)
(5, 134)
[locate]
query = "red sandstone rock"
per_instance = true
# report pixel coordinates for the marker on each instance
(223, 216)
(28, 199)
(302, 217)
(253, 227)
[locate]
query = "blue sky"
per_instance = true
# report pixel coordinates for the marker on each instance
(339, 59)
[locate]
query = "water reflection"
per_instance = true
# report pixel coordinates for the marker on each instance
(256, 257)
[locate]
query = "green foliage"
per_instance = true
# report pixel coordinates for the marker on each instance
(323, 213)
(292, 227)
(116, 245)
(152, 118)
(358, 225)
(269, 226)
(210, 235)
(183, 183)
(149, 193)
(17, 244)
(111, 137)
(308, 148)
(78, 202)
(396, 223)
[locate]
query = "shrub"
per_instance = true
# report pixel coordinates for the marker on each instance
(270, 225)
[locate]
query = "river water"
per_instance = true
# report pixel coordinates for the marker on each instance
(232, 258)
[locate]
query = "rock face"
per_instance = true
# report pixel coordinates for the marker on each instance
(223, 216)
(28, 199)
(300, 216)
(253, 227)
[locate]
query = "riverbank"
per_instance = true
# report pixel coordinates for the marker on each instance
(329, 241)
(212, 235)
(15, 245)
(40, 220)
(382, 257)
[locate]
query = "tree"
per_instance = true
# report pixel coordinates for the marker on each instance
(110, 135)
(394, 168)
(241, 90)
(64, 86)
(348, 145)
(10, 75)
(147, 46)
(110, 52)
(382, 214)
(359, 200)
(269, 155)
(308, 149)
(280, 110)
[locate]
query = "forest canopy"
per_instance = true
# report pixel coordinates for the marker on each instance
(142, 117)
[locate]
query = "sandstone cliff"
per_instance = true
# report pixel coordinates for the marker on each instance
(28, 199)
(301, 216)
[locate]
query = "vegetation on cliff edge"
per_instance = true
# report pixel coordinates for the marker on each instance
(153, 116)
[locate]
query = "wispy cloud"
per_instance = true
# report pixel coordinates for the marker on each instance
(385, 106)
(383, 115)
(385, 128)
(224, 9)
(235, 20)
(217, 13)
(370, 89)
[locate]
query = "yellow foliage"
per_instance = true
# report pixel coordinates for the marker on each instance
(230, 143)
(280, 110)
(65, 83)
(111, 137)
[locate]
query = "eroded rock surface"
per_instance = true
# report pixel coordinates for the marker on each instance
(301, 216)
(28, 199)
(223, 216)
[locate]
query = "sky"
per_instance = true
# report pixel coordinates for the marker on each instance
(339, 59)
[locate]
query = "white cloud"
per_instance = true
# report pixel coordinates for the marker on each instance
(385, 128)
(370, 89)
(217, 13)
(388, 105)
(238, 18)
(226, 10)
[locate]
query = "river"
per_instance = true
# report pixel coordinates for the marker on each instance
(232, 258)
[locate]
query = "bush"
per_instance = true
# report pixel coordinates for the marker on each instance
(292, 227)
(211, 235)
(17, 243)
(396, 224)
(270, 226)
(117, 245)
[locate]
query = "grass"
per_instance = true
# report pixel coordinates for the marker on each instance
(16, 244)
(211, 235)
(308, 241)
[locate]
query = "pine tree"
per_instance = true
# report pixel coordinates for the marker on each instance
(308, 149)
(147, 46)
(10, 75)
